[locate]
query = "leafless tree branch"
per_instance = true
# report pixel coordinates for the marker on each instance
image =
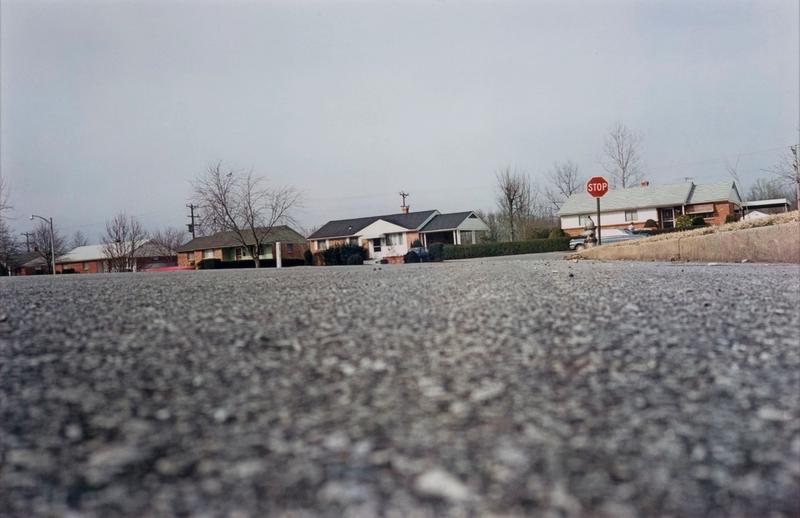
(564, 182)
(622, 160)
(787, 170)
(40, 240)
(124, 235)
(168, 240)
(243, 204)
(78, 239)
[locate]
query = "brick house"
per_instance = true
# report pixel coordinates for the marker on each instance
(389, 237)
(30, 263)
(226, 246)
(93, 259)
(621, 208)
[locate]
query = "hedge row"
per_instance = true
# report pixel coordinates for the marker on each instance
(535, 246)
(217, 264)
(342, 255)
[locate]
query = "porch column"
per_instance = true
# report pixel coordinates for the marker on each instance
(456, 239)
(278, 254)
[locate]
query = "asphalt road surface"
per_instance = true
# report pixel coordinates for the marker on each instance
(499, 387)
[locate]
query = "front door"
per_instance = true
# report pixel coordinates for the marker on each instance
(376, 248)
(667, 218)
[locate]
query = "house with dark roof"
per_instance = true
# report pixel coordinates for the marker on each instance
(621, 208)
(29, 263)
(280, 241)
(389, 237)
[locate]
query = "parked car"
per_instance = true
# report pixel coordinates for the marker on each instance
(607, 236)
(417, 254)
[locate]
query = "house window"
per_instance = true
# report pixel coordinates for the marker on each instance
(289, 248)
(322, 244)
(190, 256)
(85, 267)
(208, 254)
(466, 237)
(352, 241)
(583, 219)
(631, 215)
(394, 239)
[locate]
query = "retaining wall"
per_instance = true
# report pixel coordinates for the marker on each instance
(767, 244)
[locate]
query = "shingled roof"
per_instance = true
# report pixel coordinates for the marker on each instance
(446, 221)
(671, 195)
(722, 191)
(229, 239)
(351, 227)
(631, 198)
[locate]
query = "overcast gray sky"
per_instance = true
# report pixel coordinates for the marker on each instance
(110, 106)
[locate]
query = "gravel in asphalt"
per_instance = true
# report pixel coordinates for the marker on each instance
(503, 387)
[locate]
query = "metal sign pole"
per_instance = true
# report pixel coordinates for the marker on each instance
(599, 242)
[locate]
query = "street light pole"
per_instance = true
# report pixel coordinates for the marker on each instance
(52, 242)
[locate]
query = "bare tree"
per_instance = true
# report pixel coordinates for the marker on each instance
(622, 158)
(4, 196)
(492, 221)
(169, 240)
(513, 198)
(124, 235)
(244, 205)
(768, 189)
(564, 182)
(733, 172)
(78, 239)
(787, 170)
(40, 240)
(8, 245)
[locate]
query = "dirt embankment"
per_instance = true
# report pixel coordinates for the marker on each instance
(771, 240)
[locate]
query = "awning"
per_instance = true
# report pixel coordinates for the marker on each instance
(700, 208)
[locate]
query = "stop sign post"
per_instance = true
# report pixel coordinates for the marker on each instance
(597, 186)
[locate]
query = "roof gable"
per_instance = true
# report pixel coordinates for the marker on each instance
(721, 191)
(353, 227)
(449, 221)
(379, 228)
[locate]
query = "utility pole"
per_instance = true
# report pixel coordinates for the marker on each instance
(28, 236)
(191, 208)
(52, 242)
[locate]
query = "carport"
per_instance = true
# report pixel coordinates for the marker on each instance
(458, 228)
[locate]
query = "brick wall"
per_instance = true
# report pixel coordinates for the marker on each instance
(78, 267)
(183, 259)
(298, 249)
(721, 211)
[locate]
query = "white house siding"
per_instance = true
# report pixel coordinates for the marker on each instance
(379, 230)
(611, 218)
(473, 224)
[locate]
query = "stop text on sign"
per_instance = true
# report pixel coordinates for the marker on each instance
(597, 186)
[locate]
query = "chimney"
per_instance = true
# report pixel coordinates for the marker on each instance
(645, 183)
(404, 206)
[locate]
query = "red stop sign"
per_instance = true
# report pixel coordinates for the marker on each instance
(597, 186)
